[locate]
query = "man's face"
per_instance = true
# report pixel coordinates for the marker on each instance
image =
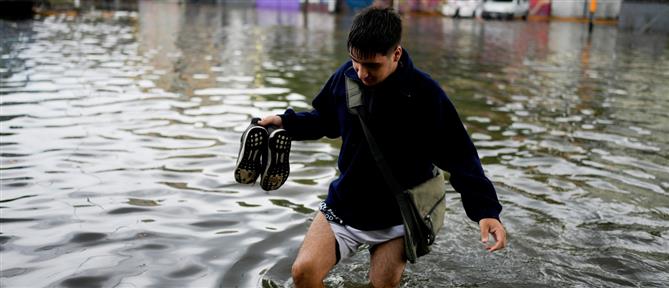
(373, 70)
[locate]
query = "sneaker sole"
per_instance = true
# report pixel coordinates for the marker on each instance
(277, 168)
(250, 154)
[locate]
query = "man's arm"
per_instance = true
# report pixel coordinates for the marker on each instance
(458, 156)
(312, 125)
(455, 153)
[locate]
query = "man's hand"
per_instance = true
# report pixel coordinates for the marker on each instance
(494, 227)
(271, 120)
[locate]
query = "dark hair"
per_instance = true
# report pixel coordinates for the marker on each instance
(374, 31)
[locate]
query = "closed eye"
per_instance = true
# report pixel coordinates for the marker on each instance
(367, 65)
(371, 65)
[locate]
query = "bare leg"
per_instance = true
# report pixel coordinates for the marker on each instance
(317, 255)
(387, 264)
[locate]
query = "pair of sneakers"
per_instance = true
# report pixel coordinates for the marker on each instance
(264, 153)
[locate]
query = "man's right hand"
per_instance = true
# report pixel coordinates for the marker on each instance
(271, 120)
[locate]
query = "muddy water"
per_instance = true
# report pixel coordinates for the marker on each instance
(119, 134)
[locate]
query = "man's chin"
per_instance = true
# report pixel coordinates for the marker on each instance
(368, 83)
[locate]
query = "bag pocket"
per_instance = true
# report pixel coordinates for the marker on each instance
(424, 216)
(429, 199)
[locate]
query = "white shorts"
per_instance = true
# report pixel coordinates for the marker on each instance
(350, 239)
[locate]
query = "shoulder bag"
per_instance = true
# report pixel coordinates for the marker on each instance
(422, 207)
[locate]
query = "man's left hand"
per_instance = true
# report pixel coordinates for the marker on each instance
(494, 227)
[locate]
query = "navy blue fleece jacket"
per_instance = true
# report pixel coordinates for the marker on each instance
(415, 125)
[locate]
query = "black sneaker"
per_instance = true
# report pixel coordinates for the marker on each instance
(252, 151)
(277, 167)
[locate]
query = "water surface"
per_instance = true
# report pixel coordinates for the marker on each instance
(120, 131)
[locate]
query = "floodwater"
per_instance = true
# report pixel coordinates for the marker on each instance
(120, 131)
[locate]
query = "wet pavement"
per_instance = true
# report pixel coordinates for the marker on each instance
(120, 131)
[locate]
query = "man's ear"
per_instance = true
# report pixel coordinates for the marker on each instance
(397, 54)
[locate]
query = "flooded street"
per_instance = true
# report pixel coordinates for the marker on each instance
(119, 133)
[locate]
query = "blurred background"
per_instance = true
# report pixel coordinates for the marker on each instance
(120, 124)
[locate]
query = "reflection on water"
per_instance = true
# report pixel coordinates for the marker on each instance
(120, 132)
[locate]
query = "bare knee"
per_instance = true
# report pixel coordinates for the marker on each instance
(305, 274)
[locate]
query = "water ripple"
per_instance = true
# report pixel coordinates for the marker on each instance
(120, 131)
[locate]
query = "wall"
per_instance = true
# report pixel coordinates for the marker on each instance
(645, 16)
(606, 9)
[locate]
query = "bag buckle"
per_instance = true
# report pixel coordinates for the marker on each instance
(430, 235)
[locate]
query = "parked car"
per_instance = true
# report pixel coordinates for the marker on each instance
(505, 9)
(462, 8)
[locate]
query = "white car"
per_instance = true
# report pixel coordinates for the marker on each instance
(462, 8)
(505, 9)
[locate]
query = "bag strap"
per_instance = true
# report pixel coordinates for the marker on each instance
(354, 101)
(409, 217)
(353, 96)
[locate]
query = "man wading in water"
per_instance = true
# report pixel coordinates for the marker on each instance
(415, 125)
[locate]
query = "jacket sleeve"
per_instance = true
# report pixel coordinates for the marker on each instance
(457, 155)
(317, 123)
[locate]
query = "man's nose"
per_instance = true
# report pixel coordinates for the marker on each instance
(362, 73)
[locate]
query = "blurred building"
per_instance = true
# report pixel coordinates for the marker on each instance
(606, 9)
(540, 8)
(645, 15)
